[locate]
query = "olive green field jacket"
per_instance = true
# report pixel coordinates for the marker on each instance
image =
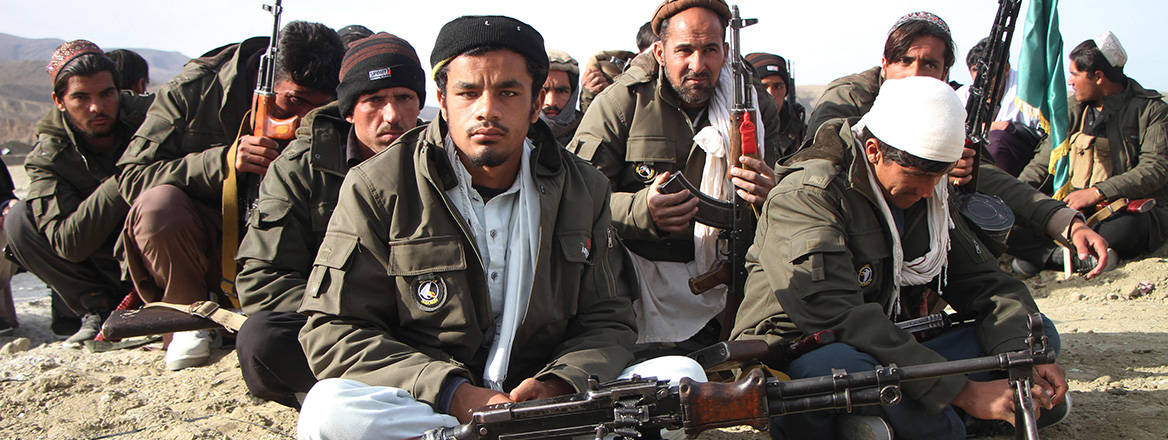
(633, 132)
(853, 95)
(73, 191)
(1137, 131)
(296, 198)
(822, 259)
(194, 120)
(398, 295)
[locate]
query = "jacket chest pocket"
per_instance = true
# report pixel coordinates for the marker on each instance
(431, 279)
(647, 157)
(872, 257)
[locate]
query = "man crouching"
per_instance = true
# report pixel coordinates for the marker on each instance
(859, 233)
(471, 262)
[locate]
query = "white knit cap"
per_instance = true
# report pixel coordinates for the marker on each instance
(1112, 50)
(919, 115)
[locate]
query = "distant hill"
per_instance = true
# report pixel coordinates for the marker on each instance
(163, 64)
(25, 89)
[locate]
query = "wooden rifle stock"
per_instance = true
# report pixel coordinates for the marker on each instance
(264, 124)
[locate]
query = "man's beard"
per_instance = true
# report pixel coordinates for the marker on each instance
(86, 133)
(487, 158)
(693, 94)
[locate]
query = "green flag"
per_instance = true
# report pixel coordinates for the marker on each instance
(1042, 86)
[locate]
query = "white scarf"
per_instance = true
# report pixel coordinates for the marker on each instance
(521, 257)
(928, 266)
(667, 311)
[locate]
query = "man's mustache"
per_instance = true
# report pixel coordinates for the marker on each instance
(390, 128)
(487, 125)
(695, 75)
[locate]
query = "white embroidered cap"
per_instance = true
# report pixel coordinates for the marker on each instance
(1112, 50)
(919, 115)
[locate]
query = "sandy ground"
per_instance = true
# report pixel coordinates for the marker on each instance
(1115, 349)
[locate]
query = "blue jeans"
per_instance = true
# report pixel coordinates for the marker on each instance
(909, 419)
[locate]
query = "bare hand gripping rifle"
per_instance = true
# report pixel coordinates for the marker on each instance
(991, 216)
(737, 217)
(640, 407)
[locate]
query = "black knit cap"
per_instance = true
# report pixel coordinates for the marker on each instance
(766, 64)
(377, 62)
(470, 31)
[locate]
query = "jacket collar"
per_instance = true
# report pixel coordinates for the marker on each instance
(328, 132)
(235, 77)
(858, 168)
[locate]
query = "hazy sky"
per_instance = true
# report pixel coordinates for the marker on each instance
(825, 39)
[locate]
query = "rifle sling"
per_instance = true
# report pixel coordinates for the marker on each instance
(208, 310)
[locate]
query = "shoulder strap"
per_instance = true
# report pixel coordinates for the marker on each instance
(207, 310)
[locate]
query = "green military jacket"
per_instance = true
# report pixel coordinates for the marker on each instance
(296, 198)
(634, 131)
(822, 259)
(194, 120)
(398, 295)
(72, 190)
(793, 129)
(853, 95)
(846, 97)
(1137, 130)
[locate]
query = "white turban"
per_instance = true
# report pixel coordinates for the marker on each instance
(919, 115)
(1112, 50)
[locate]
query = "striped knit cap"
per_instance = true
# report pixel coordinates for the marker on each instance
(377, 62)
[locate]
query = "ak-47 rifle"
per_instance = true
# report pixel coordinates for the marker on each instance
(737, 217)
(992, 218)
(263, 124)
(792, 98)
(640, 407)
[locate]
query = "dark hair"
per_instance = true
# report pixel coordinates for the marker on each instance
(904, 159)
(1088, 58)
(663, 30)
(977, 53)
(901, 39)
(84, 65)
(310, 55)
(646, 37)
(535, 68)
(131, 67)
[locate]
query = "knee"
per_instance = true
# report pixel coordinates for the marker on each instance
(253, 337)
(320, 415)
(1052, 335)
(160, 211)
(821, 361)
(19, 226)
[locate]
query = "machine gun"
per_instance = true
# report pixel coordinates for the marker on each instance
(991, 216)
(736, 218)
(640, 407)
